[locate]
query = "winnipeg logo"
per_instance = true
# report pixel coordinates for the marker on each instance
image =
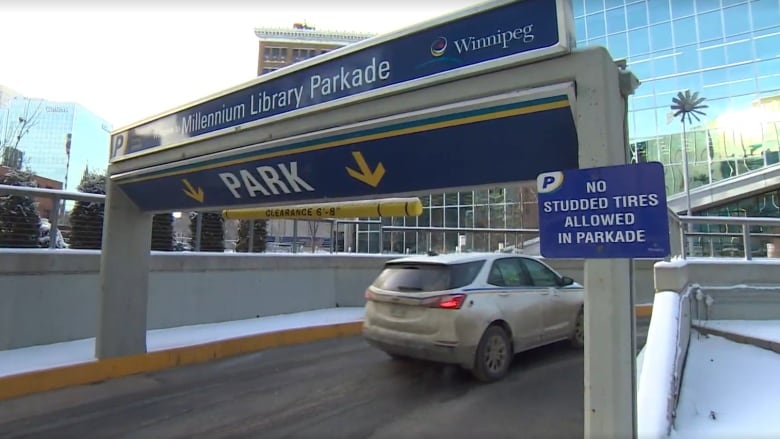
(502, 39)
(438, 47)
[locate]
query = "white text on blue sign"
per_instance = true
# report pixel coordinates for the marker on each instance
(265, 181)
(583, 215)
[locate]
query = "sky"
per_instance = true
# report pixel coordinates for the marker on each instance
(132, 60)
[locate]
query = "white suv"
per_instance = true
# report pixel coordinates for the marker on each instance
(475, 310)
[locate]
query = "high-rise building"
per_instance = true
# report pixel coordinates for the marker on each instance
(728, 51)
(56, 140)
(281, 47)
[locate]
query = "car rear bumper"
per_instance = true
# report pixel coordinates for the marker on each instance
(415, 346)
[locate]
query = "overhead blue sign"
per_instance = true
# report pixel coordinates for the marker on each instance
(500, 144)
(608, 212)
(521, 29)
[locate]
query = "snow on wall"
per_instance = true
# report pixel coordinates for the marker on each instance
(663, 356)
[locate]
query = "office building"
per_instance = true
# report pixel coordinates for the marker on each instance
(279, 47)
(56, 140)
(729, 52)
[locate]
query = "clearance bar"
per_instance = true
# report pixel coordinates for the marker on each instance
(356, 209)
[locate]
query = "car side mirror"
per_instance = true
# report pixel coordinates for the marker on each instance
(566, 280)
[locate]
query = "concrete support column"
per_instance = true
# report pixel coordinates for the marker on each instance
(610, 358)
(124, 277)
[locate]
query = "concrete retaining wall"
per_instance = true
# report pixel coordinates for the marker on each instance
(730, 289)
(52, 296)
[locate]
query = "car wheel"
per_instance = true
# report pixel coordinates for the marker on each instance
(578, 335)
(397, 357)
(493, 356)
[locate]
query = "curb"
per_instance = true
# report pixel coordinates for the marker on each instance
(22, 384)
(739, 338)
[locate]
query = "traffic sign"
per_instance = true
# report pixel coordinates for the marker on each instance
(473, 146)
(509, 31)
(607, 212)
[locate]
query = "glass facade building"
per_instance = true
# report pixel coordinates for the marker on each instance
(726, 50)
(59, 139)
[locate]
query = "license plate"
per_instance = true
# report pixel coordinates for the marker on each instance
(397, 311)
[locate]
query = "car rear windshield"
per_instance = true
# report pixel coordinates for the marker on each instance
(422, 277)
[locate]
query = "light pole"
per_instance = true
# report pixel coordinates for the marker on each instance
(687, 105)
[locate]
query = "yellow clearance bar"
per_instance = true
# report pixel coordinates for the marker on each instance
(356, 209)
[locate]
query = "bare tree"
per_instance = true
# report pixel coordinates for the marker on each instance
(15, 130)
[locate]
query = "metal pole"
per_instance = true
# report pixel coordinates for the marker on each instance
(334, 233)
(55, 218)
(687, 186)
(198, 230)
(295, 237)
(381, 237)
(251, 243)
(746, 241)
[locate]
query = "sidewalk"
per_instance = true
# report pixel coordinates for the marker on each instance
(47, 367)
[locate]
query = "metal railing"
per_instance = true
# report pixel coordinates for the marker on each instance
(746, 237)
(744, 242)
(57, 198)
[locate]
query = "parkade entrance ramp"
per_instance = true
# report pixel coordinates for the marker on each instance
(490, 95)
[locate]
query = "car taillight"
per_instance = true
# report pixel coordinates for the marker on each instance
(449, 301)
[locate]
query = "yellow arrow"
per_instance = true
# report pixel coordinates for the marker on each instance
(366, 175)
(190, 191)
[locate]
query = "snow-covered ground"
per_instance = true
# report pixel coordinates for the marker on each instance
(768, 330)
(730, 389)
(16, 361)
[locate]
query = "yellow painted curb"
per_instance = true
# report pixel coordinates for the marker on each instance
(99, 370)
(644, 310)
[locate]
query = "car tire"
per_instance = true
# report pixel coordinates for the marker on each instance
(397, 357)
(493, 355)
(577, 338)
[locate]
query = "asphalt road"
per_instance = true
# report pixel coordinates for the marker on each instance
(332, 389)
(338, 388)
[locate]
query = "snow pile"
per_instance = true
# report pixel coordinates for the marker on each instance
(656, 381)
(15, 361)
(729, 390)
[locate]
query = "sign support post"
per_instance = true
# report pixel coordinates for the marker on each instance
(610, 390)
(124, 276)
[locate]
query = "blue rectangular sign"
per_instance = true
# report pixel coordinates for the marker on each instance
(522, 28)
(608, 212)
(500, 144)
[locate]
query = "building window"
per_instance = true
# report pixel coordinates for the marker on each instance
(275, 54)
